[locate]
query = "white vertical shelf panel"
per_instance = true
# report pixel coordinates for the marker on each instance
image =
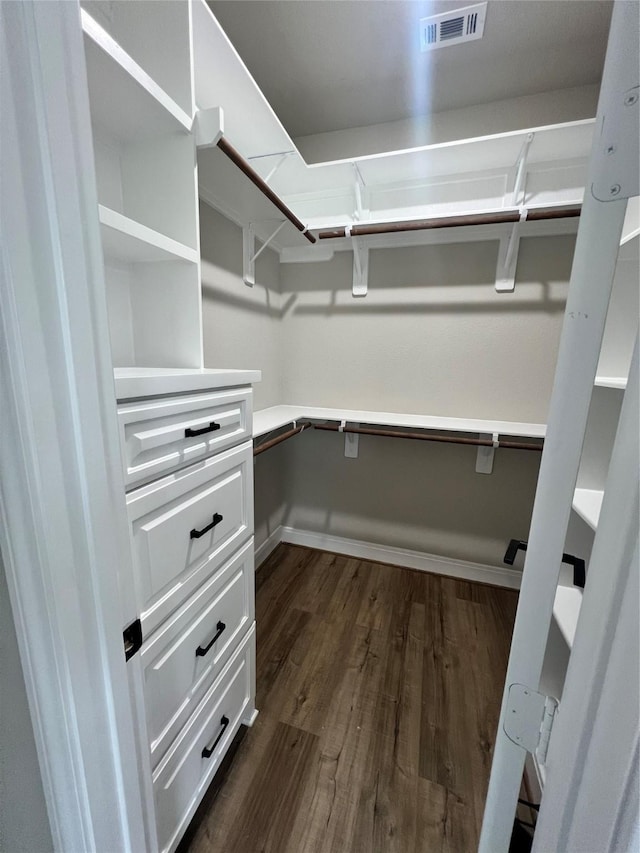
(588, 503)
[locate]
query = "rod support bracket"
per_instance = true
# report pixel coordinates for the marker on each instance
(485, 454)
(508, 256)
(249, 254)
(360, 285)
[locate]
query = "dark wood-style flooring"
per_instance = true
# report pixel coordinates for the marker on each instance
(379, 692)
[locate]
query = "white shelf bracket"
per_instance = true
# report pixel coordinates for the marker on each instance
(521, 170)
(361, 194)
(508, 257)
(273, 171)
(351, 442)
(209, 127)
(249, 254)
(485, 454)
(360, 268)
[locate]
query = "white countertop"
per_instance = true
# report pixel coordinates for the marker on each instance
(134, 382)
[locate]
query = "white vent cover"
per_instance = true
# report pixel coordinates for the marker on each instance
(453, 27)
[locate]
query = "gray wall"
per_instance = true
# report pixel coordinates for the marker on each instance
(241, 324)
(432, 336)
(24, 824)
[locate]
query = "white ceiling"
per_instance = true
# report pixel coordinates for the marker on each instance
(332, 64)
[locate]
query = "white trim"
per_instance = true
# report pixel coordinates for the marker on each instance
(63, 529)
(268, 546)
(402, 557)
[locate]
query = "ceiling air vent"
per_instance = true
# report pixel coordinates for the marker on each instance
(452, 27)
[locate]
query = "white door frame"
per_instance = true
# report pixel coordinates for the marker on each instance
(589, 291)
(63, 531)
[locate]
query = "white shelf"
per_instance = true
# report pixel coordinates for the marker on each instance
(124, 98)
(611, 382)
(267, 420)
(133, 382)
(587, 503)
(566, 610)
(128, 241)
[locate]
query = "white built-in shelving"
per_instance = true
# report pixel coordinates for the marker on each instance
(268, 420)
(566, 610)
(141, 102)
(466, 176)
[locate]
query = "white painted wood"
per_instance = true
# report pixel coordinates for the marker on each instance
(174, 678)
(135, 382)
(63, 526)
(566, 610)
(183, 775)
(267, 420)
(591, 281)
(124, 98)
(168, 563)
(496, 575)
(268, 546)
(209, 127)
(619, 382)
(588, 503)
(631, 227)
(156, 38)
(128, 241)
(602, 423)
(590, 800)
(622, 317)
(152, 432)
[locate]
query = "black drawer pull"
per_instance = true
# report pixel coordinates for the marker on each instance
(189, 433)
(579, 567)
(196, 534)
(200, 652)
(208, 751)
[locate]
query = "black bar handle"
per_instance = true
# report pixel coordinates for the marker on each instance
(200, 652)
(196, 534)
(213, 426)
(579, 567)
(512, 549)
(208, 751)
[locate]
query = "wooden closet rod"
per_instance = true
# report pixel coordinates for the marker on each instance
(498, 218)
(264, 188)
(280, 438)
(450, 439)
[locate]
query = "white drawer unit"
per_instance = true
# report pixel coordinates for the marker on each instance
(184, 526)
(162, 434)
(183, 658)
(183, 775)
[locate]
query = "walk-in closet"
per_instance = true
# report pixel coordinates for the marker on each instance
(320, 481)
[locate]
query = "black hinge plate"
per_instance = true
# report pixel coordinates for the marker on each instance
(132, 638)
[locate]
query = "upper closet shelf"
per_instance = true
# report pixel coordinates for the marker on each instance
(128, 241)
(273, 418)
(125, 100)
(526, 169)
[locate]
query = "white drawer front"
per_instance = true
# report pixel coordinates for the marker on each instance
(183, 775)
(180, 661)
(172, 555)
(157, 436)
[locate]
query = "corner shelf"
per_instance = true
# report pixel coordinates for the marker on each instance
(124, 98)
(588, 503)
(267, 420)
(128, 241)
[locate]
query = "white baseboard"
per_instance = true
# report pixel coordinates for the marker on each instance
(389, 554)
(269, 545)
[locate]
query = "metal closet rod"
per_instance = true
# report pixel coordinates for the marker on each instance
(267, 445)
(388, 433)
(264, 188)
(421, 436)
(499, 218)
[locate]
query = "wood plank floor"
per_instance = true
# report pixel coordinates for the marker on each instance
(379, 691)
